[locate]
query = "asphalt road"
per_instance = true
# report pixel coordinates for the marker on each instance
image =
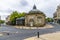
(21, 34)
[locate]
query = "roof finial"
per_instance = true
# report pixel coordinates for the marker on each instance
(34, 7)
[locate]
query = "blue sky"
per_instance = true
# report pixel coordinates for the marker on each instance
(46, 6)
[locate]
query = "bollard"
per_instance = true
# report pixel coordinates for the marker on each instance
(7, 33)
(38, 34)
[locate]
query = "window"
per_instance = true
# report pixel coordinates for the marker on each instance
(39, 19)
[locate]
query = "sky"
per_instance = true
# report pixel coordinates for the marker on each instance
(46, 6)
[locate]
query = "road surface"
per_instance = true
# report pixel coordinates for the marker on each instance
(21, 34)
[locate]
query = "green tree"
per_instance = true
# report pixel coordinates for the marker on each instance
(13, 17)
(2, 21)
(16, 15)
(22, 14)
(49, 19)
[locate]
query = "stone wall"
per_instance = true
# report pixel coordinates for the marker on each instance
(35, 20)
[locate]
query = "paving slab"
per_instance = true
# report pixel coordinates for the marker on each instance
(51, 36)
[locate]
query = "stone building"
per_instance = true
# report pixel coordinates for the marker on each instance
(57, 15)
(8, 19)
(35, 18)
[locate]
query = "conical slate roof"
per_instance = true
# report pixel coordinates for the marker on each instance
(34, 7)
(35, 10)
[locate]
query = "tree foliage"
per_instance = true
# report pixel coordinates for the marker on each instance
(21, 14)
(2, 21)
(49, 19)
(13, 15)
(16, 15)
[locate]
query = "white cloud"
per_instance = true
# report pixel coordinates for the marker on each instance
(47, 6)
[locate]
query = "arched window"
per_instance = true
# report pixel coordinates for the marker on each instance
(39, 19)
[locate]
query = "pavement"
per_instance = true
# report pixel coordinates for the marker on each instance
(24, 27)
(51, 36)
(13, 33)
